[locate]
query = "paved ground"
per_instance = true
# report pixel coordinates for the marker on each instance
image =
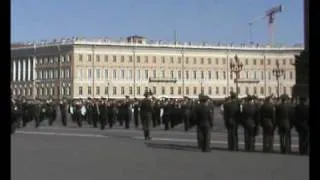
(87, 153)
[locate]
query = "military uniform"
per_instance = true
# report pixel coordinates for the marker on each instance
(283, 124)
(268, 124)
(136, 113)
(302, 126)
(231, 117)
(203, 117)
(146, 115)
(63, 110)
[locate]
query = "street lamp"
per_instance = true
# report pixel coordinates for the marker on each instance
(236, 67)
(278, 72)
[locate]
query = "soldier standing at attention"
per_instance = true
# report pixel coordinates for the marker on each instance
(268, 120)
(136, 112)
(283, 124)
(231, 113)
(146, 115)
(302, 125)
(250, 112)
(126, 112)
(63, 110)
(203, 117)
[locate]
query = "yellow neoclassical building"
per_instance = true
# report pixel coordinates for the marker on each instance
(80, 68)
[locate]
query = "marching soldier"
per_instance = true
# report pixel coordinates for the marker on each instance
(146, 115)
(250, 122)
(95, 113)
(231, 117)
(204, 120)
(268, 120)
(63, 110)
(15, 115)
(110, 114)
(136, 113)
(283, 124)
(126, 113)
(302, 125)
(166, 115)
(186, 108)
(103, 114)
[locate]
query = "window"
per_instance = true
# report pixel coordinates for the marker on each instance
(224, 61)
(217, 61)
(270, 90)
(179, 74)
(154, 59)
(209, 75)
(187, 74)
(217, 90)
(247, 74)
(89, 57)
(98, 73)
(171, 90)
(284, 75)
(146, 75)
(154, 73)
(202, 60)
(114, 58)
(106, 90)
(262, 75)
(89, 90)
(231, 89)
(202, 75)
(130, 74)
(187, 60)
(114, 74)
(291, 75)
(62, 74)
(163, 60)
(172, 74)
(261, 90)
(209, 61)
(122, 90)
(261, 61)
(163, 90)
(80, 57)
(194, 60)
(194, 90)
(138, 74)
(187, 90)
(80, 90)
(154, 90)
(217, 75)
(106, 58)
(255, 90)
(146, 59)
(171, 60)
(179, 90)
(130, 90)
(97, 90)
(122, 74)
(89, 73)
(283, 62)
(97, 58)
(254, 62)
(106, 74)
(163, 74)
(246, 62)
(210, 90)
(194, 74)
(255, 75)
(247, 90)
(114, 90)
(130, 58)
(225, 75)
(138, 90)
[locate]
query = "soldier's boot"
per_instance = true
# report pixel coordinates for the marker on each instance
(127, 123)
(64, 120)
(146, 135)
(102, 124)
(265, 142)
(282, 143)
(51, 121)
(79, 122)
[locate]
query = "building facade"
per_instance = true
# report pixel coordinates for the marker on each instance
(103, 68)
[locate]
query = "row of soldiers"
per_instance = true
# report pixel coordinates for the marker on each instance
(250, 113)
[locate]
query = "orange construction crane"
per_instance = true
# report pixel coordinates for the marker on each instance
(270, 14)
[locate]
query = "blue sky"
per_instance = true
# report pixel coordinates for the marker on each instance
(194, 20)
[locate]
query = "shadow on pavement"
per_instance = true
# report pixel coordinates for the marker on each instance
(195, 148)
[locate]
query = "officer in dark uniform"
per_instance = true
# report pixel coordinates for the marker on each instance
(302, 125)
(15, 115)
(203, 116)
(268, 120)
(283, 124)
(25, 112)
(231, 117)
(166, 114)
(186, 108)
(63, 110)
(156, 113)
(95, 113)
(110, 114)
(146, 114)
(126, 112)
(136, 113)
(250, 122)
(103, 114)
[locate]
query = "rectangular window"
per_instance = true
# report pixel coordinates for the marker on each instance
(187, 90)
(194, 60)
(225, 75)
(255, 90)
(163, 74)
(122, 90)
(130, 74)
(98, 74)
(194, 74)
(269, 75)
(97, 90)
(291, 75)
(202, 75)
(114, 91)
(284, 90)
(89, 74)
(80, 57)
(187, 74)
(217, 61)
(163, 60)
(254, 62)
(187, 60)
(130, 59)
(172, 74)
(261, 90)
(270, 90)
(284, 75)
(217, 90)
(114, 58)
(106, 74)
(179, 90)
(154, 72)
(209, 75)
(224, 91)
(194, 90)
(202, 60)
(80, 90)
(97, 58)
(106, 90)
(179, 60)
(114, 74)
(146, 74)
(262, 75)
(89, 90)
(138, 59)
(209, 60)
(269, 61)
(247, 90)
(171, 60)
(163, 90)
(106, 58)
(130, 90)
(122, 74)
(217, 75)
(154, 90)
(89, 57)
(179, 74)
(138, 74)
(122, 59)
(171, 90)
(209, 90)
(261, 61)
(138, 90)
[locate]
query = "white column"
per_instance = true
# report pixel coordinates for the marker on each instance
(34, 73)
(19, 70)
(29, 69)
(23, 70)
(14, 69)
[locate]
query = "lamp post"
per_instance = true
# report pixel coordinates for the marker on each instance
(278, 72)
(236, 67)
